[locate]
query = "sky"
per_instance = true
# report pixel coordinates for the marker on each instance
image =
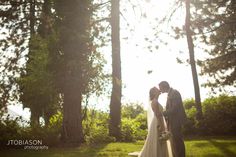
(137, 60)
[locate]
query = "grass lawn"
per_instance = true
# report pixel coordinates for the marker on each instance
(207, 147)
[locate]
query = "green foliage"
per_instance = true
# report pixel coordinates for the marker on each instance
(133, 125)
(131, 110)
(56, 121)
(128, 129)
(133, 122)
(218, 116)
(95, 127)
(214, 23)
(131, 130)
(50, 134)
(10, 129)
(190, 126)
(36, 86)
(17, 22)
(219, 119)
(98, 134)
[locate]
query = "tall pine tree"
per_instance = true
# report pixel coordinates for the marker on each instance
(115, 104)
(215, 23)
(76, 62)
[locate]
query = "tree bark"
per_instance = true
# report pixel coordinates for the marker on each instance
(74, 37)
(72, 119)
(34, 117)
(192, 60)
(44, 28)
(115, 104)
(32, 17)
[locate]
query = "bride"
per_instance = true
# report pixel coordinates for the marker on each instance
(157, 143)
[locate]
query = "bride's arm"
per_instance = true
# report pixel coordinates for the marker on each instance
(158, 114)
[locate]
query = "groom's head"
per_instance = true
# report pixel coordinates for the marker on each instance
(164, 86)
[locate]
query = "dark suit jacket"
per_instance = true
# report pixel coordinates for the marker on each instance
(175, 112)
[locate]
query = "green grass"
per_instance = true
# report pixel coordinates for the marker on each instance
(211, 147)
(208, 147)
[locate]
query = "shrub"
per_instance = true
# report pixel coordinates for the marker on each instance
(219, 116)
(50, 135)
(128, 129)
(10, 129)
(131, 110)
(98, 134)
(95, 127)
(141, 132)
(133, 122)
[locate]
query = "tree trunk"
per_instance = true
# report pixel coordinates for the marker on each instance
(192, 61)
(34, 117)
(74, 36)
(44, 28)
(115, 104)
(32, 17)
(72, 119)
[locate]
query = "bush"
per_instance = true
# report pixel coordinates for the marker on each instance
(10, 129)
(133, 122)
(95, 127)
(133, 125)
(219, 116)
(131, 110)
(141, 132)
(131, 130)
(50, 135)
(98, 134)
(191, 125)
(128, 129)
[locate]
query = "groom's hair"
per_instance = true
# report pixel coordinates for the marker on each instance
(164, 84)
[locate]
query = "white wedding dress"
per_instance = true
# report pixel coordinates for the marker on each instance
(153, 147)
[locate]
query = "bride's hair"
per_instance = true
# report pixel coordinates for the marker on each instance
(153, 92)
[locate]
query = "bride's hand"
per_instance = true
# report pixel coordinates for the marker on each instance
(160, 128)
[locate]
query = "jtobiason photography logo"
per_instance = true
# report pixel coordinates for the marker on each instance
(34, 144)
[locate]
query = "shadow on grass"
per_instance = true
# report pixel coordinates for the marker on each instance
(224, 147)
(214, 155)
(204, 138)
(200, 145)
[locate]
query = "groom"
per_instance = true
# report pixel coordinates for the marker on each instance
(176, 117)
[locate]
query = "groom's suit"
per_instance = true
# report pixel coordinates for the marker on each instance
(176, 117)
